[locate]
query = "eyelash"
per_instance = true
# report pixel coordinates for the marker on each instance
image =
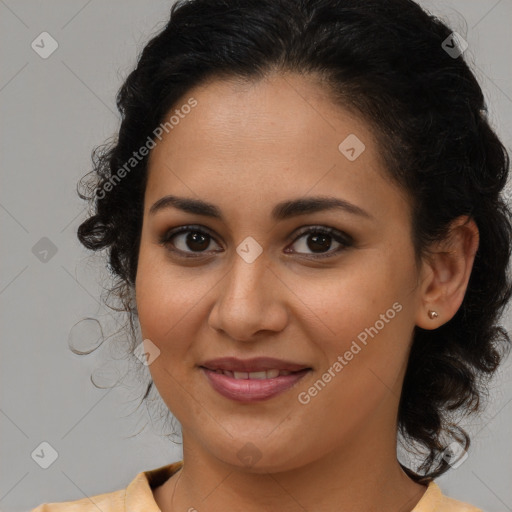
(345, 240)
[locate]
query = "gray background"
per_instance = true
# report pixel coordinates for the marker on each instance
(53, 112)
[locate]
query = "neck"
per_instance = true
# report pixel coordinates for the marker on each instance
(358, 476)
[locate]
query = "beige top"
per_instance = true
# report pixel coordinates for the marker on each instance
(138, 497)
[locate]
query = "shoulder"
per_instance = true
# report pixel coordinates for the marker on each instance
(107, 502)
(137, 496)
(435, 501)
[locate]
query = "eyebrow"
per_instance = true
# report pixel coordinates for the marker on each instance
(281, 211)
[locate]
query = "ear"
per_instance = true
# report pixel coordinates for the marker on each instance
(445, 273)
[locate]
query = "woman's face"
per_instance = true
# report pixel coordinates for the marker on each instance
(262, 281)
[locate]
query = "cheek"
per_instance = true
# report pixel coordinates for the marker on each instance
(158, 303)
(364, 316)
(363, 341)
(348, 300)
(168, 300)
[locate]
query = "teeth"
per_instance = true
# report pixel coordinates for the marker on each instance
(267, 374)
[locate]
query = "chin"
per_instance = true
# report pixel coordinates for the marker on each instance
(259, 455)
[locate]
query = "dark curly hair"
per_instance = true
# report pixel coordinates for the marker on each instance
(388, 62)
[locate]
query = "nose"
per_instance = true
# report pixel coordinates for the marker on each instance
(250, 300)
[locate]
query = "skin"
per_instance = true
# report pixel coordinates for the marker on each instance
(244, 148)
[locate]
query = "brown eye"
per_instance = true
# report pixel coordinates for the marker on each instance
(319, 240)
(195, 241)
(191, 241)
(187, 239)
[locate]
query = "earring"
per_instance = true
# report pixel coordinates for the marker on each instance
(432, 314)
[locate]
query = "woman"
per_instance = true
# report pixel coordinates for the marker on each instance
(303, 212)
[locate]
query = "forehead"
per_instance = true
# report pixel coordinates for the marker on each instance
(281, 137)
(271, 111)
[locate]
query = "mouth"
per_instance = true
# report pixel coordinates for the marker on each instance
(255, 375)
(252, 379)
(253, 365)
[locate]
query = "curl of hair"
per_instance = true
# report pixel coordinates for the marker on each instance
(429, 117)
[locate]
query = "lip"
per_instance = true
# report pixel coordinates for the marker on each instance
(252, 390)
(255, 364)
